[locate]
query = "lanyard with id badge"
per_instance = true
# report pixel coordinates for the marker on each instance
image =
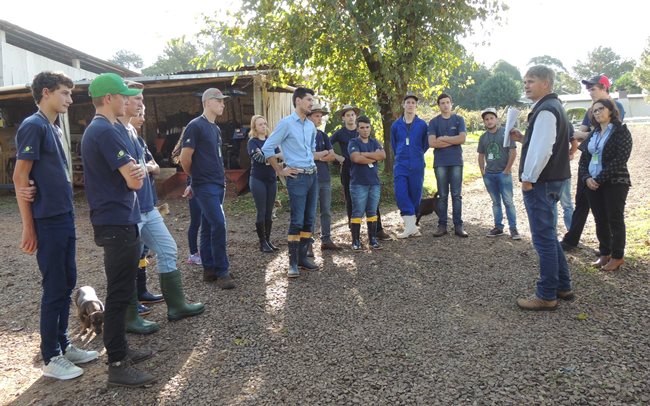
(595, 157)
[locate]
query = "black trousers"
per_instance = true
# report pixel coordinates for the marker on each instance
(608, 205)
(345, 182)
(580, 214)
(121, 255)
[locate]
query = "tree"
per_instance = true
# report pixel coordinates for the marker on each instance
(642, 71)
(627, 82)
(127, 59)
(500, 90)
(603, 61)
(502, 66)
(178, 55)
(362, 51)
(549, 61)
(564, 82)
(465, 82)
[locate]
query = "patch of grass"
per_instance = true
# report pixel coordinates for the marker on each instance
(637, 226)
(471, 171)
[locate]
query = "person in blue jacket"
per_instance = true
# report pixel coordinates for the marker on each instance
(409, 140)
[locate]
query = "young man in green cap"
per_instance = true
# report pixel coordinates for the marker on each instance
(112, 176)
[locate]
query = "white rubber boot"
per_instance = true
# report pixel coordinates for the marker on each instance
(409, 227)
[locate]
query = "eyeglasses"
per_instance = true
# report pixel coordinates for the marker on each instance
(598, 110)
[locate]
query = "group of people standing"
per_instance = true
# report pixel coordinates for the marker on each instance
(121, 197)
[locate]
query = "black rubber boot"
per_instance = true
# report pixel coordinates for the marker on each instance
(261, 234)
(144, 296)
(310, 251)
(136, 324)
(268, 225)
(355, 228)
(372, 235)
(294, 247)
(177, 307)
(304, 262)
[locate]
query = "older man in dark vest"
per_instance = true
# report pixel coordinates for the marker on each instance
(543, 168)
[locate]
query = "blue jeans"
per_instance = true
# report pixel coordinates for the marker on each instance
(540, 202)
(155, 235)
(213, 227)
(365, 199)
(195, 223)
(499, 186)
(567, 204)
(56, 252)
(450, 177)
(303, 198)
(264, 197)
(325, 203)
(408, 191)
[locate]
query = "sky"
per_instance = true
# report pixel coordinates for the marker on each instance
(564, 29)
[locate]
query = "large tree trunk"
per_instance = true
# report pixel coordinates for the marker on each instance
(387, 118)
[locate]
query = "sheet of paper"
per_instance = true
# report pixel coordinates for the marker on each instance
(511, 122)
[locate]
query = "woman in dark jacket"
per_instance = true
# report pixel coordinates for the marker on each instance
(603, 167)
(262, 182)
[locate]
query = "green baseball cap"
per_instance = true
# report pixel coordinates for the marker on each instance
(110, 83)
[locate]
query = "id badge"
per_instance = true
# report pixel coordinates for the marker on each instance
(371, 166)
(408, 141)
(219, 150)
(595, 159)
(490, 156)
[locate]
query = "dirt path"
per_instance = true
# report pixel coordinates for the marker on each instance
(424, 321)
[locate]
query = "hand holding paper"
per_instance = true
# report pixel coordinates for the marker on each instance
(511, 122)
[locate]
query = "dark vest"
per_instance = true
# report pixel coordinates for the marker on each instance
(557, 167)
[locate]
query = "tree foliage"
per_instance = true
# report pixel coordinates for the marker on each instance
(642, 71)
(549, 61)
(603, 60)
(465, 82)
(508, 69)
(564, 82)
(127, 59)
(499, 90)
(366, 52)
(627, 82)
(179, 55)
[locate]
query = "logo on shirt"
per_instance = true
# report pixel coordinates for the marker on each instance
(187, 140)
(28, 150)
(120, 154)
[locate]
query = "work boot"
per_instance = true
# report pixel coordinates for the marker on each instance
(264, 246)
(372, 235)
(310, 251)
(172, 288)
(355, 229)
(137, 356)
(294, 247)
(122, 373)
(144, 296)
(442, 230)
(459, 231)
(136, 324)
(268, 225)
(209, 275)
(329, 245)
(304, 262)
(535, 303)
(383, 235)
(225, 282)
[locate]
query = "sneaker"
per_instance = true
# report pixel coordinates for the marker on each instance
(567, 295)
(514, 234)
(79, 356)
(374, 244)
(356, 246)
(61, 368)
(194, 259)
(139, 355)
(122, 373)
(495, 232)
(143, 310)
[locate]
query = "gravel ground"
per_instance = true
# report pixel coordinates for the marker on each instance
(424, 321)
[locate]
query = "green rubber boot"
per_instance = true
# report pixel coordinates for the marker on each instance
(172, 290)
(136, 324)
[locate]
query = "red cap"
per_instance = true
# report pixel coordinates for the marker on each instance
(598, 80)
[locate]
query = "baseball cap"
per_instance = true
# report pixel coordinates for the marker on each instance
(110, 83)
(598, 80)
(213, 93)
(410, 95)
(489, 110)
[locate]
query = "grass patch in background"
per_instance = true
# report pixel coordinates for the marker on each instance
(637, 226)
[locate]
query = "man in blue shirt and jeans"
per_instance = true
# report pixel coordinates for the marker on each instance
(201, 159)
(296, 136)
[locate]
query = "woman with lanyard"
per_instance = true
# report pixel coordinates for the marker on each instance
(603, 167)
(262, 182)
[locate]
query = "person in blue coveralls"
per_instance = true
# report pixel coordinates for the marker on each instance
(365, 188)
(409, 140)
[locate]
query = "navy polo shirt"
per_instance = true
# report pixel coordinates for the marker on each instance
(323, 144)
(105, 149)
(207, 164)
(139, 153)
(440, 126)
(364, 174)
(39, 141)
(260, 171)
(343, 137)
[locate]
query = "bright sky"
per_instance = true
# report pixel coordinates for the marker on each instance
(559, 28)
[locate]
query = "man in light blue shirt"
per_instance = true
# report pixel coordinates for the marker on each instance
(296, 136)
